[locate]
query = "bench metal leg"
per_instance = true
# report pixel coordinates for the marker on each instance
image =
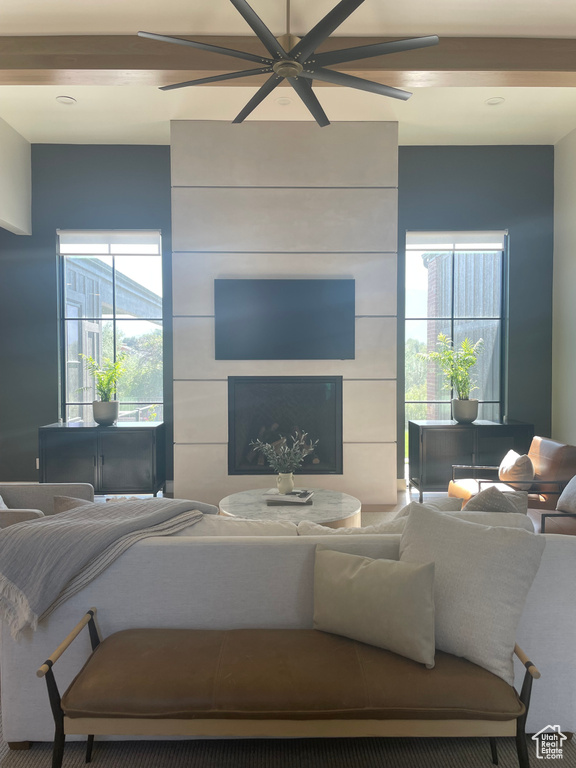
(523, 759)
(494, 750)
(89, 745)
(58, 750)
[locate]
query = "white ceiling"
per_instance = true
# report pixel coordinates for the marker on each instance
(141, 114)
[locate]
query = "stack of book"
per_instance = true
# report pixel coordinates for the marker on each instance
(297, 496)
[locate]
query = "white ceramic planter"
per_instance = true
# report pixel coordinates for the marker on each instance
(105, 414)
(465, 411)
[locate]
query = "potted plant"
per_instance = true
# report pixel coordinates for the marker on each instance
(455, 364)
(106, 377)
(285, 459)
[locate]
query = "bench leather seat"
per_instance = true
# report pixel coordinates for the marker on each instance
(277, 673)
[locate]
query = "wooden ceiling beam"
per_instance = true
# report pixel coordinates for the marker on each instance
(130, 60)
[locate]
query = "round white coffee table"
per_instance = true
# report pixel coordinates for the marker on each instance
(331, 508)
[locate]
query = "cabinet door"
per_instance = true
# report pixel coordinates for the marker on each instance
(440, 449)
(68, 456)
(494, 442)
(126, 461)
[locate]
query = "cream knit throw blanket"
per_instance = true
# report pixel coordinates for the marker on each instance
(45, 561)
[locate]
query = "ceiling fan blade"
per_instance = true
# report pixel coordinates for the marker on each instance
(207, 47)
(216, 78)
(324, 29)
(258, 97)
(349, 81)
(378, 49)
(262, 32)
(304, 89)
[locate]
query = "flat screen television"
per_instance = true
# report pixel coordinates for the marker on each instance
(284, 319)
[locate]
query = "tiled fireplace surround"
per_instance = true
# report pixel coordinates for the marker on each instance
(273, 200)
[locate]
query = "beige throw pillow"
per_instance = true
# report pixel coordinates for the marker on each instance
(567, 500)
(380, 602)
(517, 470)
(493, 500)
(482, 577)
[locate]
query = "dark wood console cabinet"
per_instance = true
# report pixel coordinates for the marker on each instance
(129, 457)
(433, 446)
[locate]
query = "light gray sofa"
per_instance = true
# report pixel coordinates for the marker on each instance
(257, 582)
(25, 501)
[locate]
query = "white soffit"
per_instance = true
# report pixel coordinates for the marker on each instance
(433, 116)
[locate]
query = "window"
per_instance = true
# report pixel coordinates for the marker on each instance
(111, 306)
(455, 286)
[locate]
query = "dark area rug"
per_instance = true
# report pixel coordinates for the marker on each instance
(296, 753)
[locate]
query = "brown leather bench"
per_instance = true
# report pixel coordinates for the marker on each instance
(276, 683)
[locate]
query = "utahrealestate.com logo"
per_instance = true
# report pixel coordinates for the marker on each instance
(549, 743)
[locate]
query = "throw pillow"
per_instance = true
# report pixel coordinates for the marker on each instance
(482, 577)
(517, 470)
(307, 528)
(493, 500)
(441, 504)
(380, 602)
(2, 504)
(64, 503)
(567, 500)
(220, 525)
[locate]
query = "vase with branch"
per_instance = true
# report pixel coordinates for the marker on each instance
(285, 458)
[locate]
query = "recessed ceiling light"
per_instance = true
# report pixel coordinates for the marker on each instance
(495, 101)
(69, 100)
(283, 101)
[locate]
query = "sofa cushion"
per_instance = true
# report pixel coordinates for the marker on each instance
(482, 577)
(567, 500)
(308, 528)
(300, 674)
(493, 500)
(222, 525)
(380, 602)
(441, 504)
(517, 470)
(397, 525)
(65, 503)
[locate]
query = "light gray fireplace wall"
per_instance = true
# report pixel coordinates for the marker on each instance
(272, 200)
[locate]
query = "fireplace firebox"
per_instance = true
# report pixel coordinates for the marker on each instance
(272, 407)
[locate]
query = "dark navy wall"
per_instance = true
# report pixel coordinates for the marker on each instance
(484, 188)
(73, 187)
(124, 187)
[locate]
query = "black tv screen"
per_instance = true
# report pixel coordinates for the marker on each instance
(284, 319)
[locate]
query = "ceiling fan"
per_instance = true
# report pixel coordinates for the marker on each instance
(295, 59)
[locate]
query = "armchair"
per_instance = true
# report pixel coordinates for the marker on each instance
(26, 501)
(554, 466)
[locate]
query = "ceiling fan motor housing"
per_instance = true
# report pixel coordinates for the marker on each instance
(287, 68)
